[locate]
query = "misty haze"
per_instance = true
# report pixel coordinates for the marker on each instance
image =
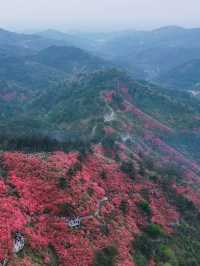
(99, 133)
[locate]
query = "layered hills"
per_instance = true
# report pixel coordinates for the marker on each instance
(97, 168)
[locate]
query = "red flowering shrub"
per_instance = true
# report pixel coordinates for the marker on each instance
(33, 202)
(33, 206)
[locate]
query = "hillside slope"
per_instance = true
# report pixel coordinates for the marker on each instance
(185, 76)
(67, 58)
(124, 192)
(46, 68)
(76, 109)
(131, 210)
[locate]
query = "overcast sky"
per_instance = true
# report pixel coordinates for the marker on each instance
(98, 14)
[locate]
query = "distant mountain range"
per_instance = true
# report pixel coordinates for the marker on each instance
(151, 55)
(145, 54)
(24, 43)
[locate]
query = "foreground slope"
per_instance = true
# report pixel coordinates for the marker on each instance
(130, 211)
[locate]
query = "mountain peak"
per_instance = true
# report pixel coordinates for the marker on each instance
(169, 28)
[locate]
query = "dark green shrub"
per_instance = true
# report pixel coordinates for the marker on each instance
(148, 163)
(103, 175)
(62, 183)
(154, 231)
(140, 260)
(166, 254)
(144, 206)
(66, 210)
(109, 142)
(105, 257)
(3, 172)
(142, 171)
(143, 246)
(153, 178)
(128, 168)
(104, 229)
(90, 191)
(124, 206)
(74, 169)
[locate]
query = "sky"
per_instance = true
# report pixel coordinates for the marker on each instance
(98, 15)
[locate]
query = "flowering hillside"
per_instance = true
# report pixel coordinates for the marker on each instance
(117, 203)
(108, 185)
